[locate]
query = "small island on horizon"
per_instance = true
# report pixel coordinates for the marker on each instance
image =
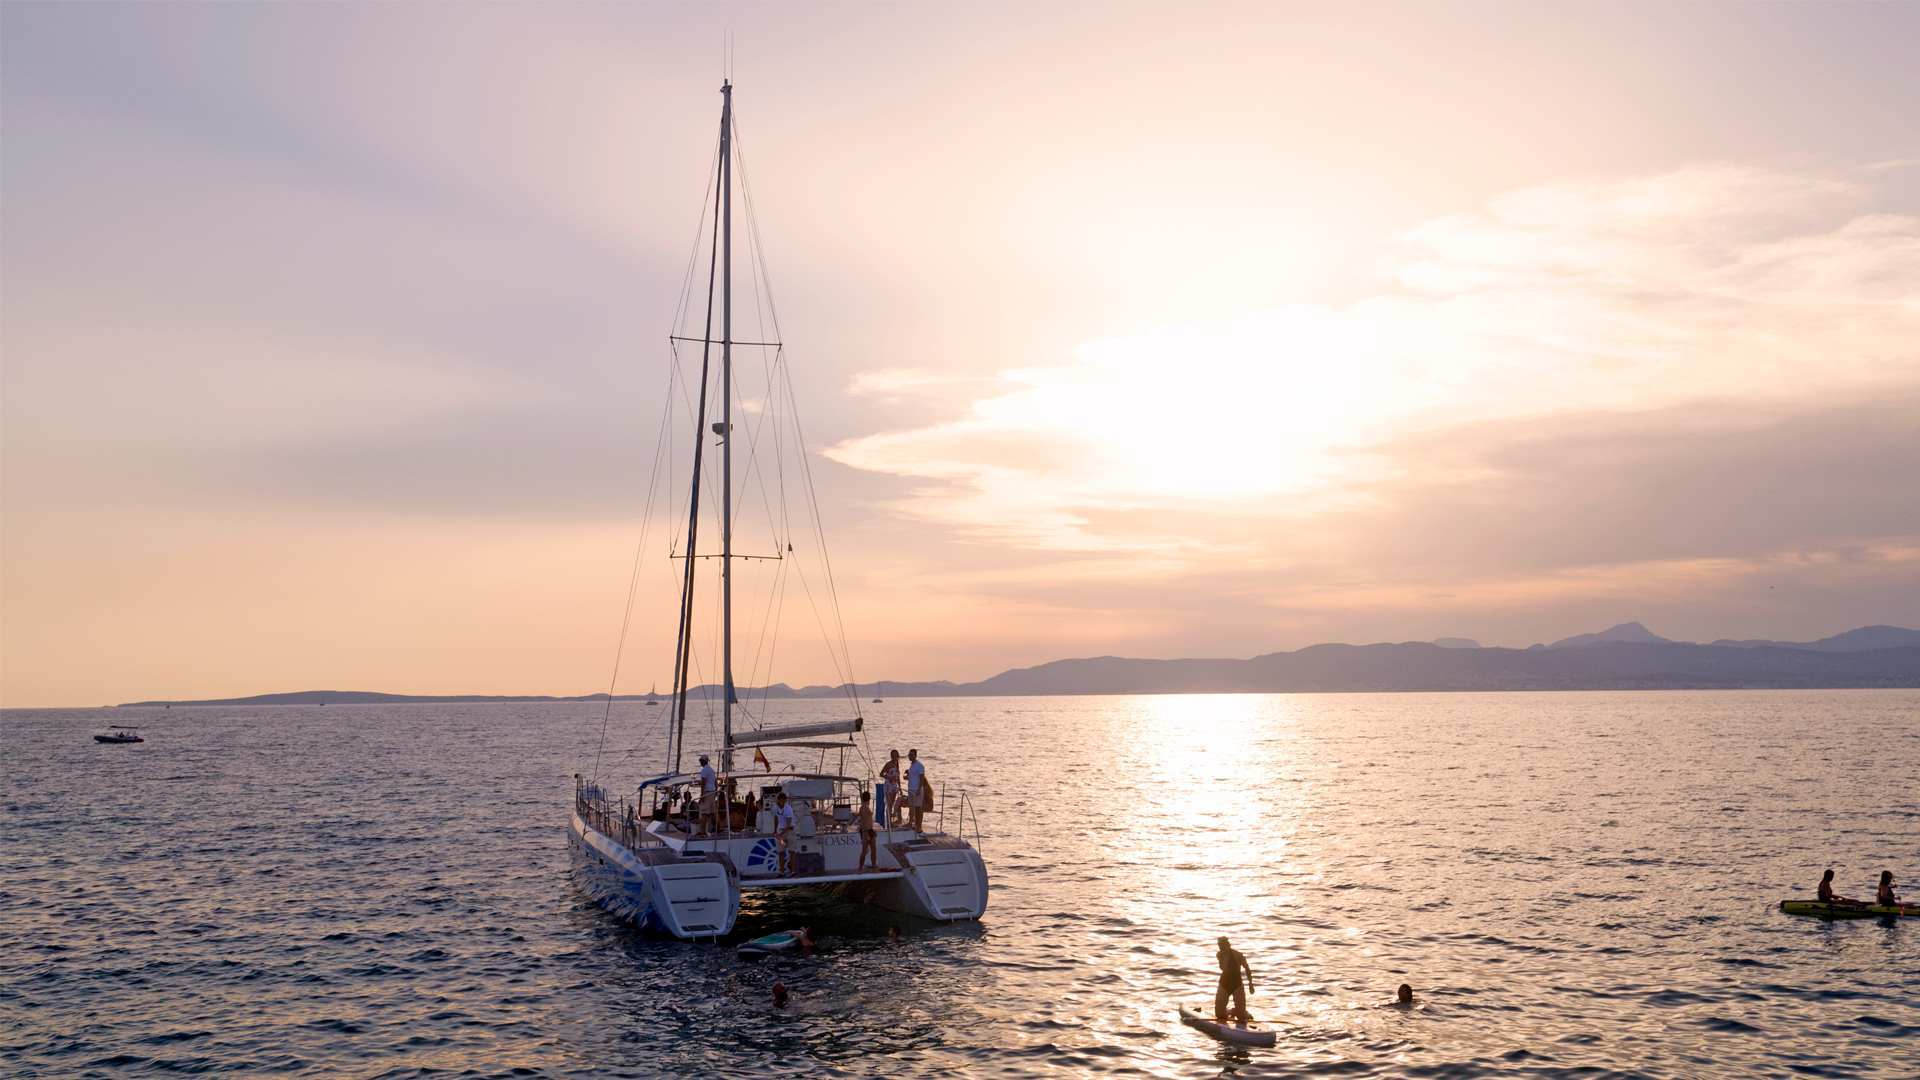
(1623, 657)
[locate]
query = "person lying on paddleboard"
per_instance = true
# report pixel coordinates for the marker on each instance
(1232, 965)
(1885, 896)
(1827, 894)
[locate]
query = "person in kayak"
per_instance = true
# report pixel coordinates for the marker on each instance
(1232, 965)
(1828, 896)
(1885, 896)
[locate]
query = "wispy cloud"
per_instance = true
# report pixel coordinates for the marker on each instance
(1743, 286)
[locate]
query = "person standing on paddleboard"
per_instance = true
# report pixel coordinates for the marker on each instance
(1232, 965)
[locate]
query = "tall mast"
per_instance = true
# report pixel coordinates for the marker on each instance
(726, 420)
(683, 641)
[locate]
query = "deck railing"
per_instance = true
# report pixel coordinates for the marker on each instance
(964, 813)
(619, 820)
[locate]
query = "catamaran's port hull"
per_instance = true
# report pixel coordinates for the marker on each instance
(655, 889)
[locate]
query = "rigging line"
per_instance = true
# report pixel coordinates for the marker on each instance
(633, 578)
(767, 624)
(828, 638)
(699, 227)
(813, 496)
(759, 250)
(753, 224)
(763, 288)
(826, 559)
(780, 610)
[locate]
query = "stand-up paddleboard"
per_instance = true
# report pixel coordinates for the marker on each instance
(1824, 910)
(1226, 1032)
(781, 942)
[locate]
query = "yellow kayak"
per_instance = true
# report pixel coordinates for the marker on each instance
(1822, 909)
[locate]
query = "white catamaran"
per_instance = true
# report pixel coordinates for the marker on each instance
(676, 853)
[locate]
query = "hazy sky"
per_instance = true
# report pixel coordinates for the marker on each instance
(333, 333)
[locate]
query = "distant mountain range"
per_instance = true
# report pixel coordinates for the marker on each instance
(1624, 657)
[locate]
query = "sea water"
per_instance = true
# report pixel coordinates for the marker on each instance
(1571, 882)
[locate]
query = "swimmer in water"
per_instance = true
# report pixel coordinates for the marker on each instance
(779, 994)
(1404, 996)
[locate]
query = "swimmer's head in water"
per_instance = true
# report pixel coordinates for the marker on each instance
(1405, 994)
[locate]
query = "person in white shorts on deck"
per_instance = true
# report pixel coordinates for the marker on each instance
(783, 831)
(709, 795)
(916, 781)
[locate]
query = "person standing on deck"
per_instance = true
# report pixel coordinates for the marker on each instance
(865, 822)
(1232, 965)
(783, 832)
(890, 787)
(916, 796)
(709, 795)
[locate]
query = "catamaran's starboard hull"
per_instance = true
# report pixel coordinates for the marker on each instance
(946, 882)
(654, 888)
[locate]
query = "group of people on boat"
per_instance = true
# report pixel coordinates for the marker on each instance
(904, 791)
(917, 796)
(1884, 896)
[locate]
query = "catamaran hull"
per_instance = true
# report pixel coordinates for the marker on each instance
(655, 888)
(945, 882)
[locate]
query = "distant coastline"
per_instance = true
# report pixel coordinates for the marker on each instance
(1624, 657)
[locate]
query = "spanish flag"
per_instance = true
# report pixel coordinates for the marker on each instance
(762, 759)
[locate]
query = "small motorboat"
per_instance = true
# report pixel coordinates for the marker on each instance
(1235, 1033)
(1824, 910)
(120, 735)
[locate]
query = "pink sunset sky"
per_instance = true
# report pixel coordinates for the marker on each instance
(333, 336)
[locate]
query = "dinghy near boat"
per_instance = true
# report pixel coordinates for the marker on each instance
(676, 853)
(1233, 1033)
(120, 735)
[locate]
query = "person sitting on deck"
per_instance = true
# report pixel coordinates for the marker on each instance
(916, 789)
(1232, 964)
(865, 822)
(1885, 896)
(1826, 891)
(709, 797)
(783, 831)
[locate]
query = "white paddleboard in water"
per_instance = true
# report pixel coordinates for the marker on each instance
(1226, 1032)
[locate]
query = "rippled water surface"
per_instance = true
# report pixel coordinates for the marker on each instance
(1573, 882)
